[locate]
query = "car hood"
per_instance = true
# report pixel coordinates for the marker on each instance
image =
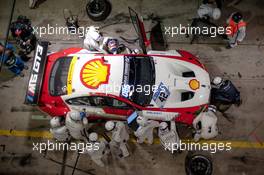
(171, 84)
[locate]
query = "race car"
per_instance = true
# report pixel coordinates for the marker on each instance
(156, 84)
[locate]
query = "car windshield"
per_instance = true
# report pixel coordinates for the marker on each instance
(138, 79)
(59, 75)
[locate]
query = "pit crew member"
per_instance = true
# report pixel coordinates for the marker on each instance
(120, 136)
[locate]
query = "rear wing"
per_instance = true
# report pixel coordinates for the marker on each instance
(37, 73)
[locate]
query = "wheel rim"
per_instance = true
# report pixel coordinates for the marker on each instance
(200, 165)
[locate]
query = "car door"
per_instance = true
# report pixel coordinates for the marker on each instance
(82, 103)
(111, 108)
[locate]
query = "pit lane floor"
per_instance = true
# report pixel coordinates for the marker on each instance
(242, 125)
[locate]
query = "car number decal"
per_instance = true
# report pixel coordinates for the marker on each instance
(125, 88)
(161, 95)
(125, 91)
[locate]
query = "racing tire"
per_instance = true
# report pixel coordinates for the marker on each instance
(197, 164)
(98, 10)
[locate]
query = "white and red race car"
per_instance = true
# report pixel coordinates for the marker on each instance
(157, 84)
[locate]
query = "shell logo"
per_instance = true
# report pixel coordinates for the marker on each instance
(94, 73)
(194, 84)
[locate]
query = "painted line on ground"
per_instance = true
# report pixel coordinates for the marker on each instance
(48, 135)
(16, 133)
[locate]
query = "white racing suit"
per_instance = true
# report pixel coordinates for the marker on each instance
(77, 128)
(208, 128)
(97, 155)
(93, 45)
(146, 132)
(60, 133)
(169, 138)
(120, 137)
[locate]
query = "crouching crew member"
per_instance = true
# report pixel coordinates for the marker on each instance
(145, 129)
(93, 40)
(13, 62)
(58, 129)
(205, 124)
(168, 135)
(207, 11)
(76, 123)
(100, 149)
(224, 91)
(120, 136)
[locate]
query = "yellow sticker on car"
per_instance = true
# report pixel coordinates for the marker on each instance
(70, 75)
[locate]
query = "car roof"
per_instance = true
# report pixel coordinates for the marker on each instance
(95, 73)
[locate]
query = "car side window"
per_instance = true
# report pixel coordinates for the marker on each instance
(79, 101)
(99, 101)
(120, 104)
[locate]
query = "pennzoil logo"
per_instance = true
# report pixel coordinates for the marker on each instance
(94, 73)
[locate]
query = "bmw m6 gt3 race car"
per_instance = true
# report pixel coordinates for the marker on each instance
(157, 84)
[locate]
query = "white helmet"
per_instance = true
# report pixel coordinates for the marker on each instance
(212, 108)
(109, 125)
(94, 34)
(75, 115)
(141, 121)
(55, 122)
(93, 137)
(163, 125)
(217, 81)
(216, 14)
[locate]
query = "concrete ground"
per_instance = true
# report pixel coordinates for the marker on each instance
(242, 126)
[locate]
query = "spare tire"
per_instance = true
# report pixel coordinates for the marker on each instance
(98, 10)
(198, 165)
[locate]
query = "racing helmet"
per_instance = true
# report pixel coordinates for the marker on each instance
(237, 17)
(217, 81)
(163, 125)
(216, 14)
(141, 121)
(212, 108)
(109, 125)
(93, 137)
(94, 34)
(75, 115)
(112, 45)
(55, 122)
